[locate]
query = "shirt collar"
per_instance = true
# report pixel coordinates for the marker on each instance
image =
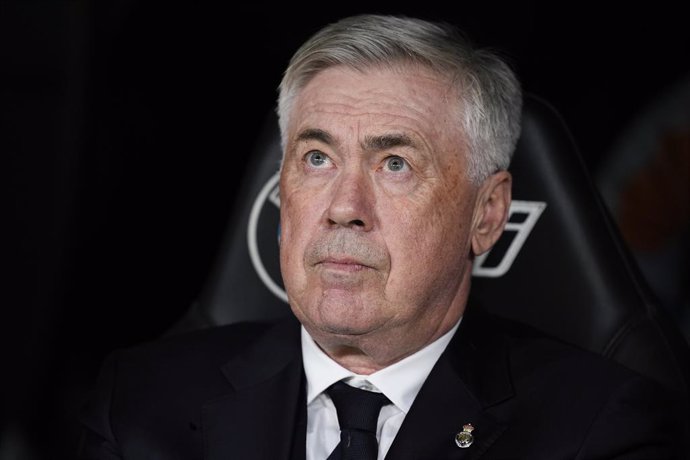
(400, 382)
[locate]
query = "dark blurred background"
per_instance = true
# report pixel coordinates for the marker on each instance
(125, 127)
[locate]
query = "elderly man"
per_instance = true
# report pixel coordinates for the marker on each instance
(397, 135)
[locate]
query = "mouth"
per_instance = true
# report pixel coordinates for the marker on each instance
(347, 264)
(346, 253)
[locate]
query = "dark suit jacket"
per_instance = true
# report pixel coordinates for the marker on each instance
(237, 392)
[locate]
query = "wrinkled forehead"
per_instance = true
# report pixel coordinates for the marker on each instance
(407, 98)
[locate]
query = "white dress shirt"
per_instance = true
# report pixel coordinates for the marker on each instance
(400, 382)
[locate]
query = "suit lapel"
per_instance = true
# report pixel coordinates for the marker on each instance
(263, 416)
(266, 411)
(469, 379)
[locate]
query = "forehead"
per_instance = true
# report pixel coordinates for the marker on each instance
(412, 99)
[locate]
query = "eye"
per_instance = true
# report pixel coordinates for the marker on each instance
(317, 159)
(396, 164)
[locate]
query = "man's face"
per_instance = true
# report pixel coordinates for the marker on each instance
(376, 208)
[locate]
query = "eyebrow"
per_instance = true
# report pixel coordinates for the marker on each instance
(387, 141)
(370, 143)
(314, 134)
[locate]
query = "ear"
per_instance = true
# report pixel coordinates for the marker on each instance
(491, 211)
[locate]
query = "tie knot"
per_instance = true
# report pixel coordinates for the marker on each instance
(357, 409)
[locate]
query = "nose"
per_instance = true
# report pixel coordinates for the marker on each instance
(352, 202)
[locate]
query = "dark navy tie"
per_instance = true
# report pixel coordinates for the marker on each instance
(358, 413)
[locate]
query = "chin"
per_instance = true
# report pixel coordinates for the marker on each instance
(344, 329)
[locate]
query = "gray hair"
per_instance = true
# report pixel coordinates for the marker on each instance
(490, 102)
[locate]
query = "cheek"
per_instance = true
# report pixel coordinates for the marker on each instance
(428, 239)
(289, 229)
(298, 220)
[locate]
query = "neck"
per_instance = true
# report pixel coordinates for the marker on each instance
(366, 354)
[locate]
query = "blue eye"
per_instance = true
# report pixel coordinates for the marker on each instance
(396, 164)
(317, 159)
